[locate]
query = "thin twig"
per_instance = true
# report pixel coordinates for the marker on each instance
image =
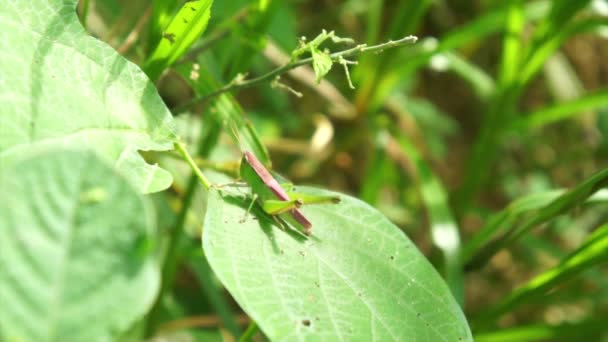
(212, 321)
(335, 57)
(252, 329)
(340, 106)
(135, 33)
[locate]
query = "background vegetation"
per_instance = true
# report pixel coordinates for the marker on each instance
(484, 142)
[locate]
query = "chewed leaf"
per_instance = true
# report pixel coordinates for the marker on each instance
(321, 63)
(185, 28)
(62, 87)
(357, 278)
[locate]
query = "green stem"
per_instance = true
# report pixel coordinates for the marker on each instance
(335, 57)
(252, 329)
(177, 237)
(184, 153)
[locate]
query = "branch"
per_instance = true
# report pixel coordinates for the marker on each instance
(335, 57)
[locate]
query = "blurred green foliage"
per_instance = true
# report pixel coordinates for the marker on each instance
(499, 102)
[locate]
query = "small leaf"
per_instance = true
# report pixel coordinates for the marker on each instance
(321, 63)
(185, 28)
(62, 87)
(357, 278)
(75, 255)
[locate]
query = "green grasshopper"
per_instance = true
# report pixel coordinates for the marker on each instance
(274, 198)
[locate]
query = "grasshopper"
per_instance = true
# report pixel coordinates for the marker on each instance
(277, 199)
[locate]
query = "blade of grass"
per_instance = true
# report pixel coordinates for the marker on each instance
(444, 229)
(562, 11)
(407, 16)
(561, 111)
(371, 69)
(374, 20)
(513, 213)
(500, 106)
(593, 252)
(226, 110)
(504, 104)
(544, 49)
(183, 30)
(581, 331)
(512, 43)
(248, 335)
(558, 206)
(482, 83)
(408, 61)
(505, 220)
(250, 38)
(475, 30)
(380, 171)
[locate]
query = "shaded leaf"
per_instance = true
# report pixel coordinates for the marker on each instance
(75, 250)
(358, 277)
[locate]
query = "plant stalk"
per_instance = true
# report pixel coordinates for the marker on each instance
(335, 57)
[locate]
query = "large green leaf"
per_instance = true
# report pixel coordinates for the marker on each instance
(75, 256)
(61, 87)
(357, 278)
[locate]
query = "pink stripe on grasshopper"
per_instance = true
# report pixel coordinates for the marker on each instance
(276, 188)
